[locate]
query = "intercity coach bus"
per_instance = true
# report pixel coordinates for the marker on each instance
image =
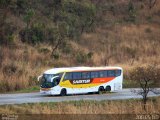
(80, 80)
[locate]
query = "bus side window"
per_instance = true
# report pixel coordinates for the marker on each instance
(68, 76)
(85, 75)
(118, 72)
(103, 73)
(94, 74)
(77, 75)
(111, 73)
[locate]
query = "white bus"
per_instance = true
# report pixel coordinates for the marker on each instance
(80, 80)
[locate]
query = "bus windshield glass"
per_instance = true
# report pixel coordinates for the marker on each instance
(48, 81)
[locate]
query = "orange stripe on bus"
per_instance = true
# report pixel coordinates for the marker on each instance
(102, 80)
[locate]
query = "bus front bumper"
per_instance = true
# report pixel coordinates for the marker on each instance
(47, 92)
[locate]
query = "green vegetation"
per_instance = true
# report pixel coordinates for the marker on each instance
(28, 90)
(42, 34)
(70, 19)
(130, 84)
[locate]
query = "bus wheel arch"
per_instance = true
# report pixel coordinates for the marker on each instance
(63, 92)
(100, 90)
(108, 88)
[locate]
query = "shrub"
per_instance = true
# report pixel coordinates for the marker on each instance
(22, 5)
(149, 18)
(66, 48)
(29, 15)
(44, 50)
(51, 34)
(33, 35)
(4, 86)
(33, 80)
(78, 17)
(4, 3)
(7, 34)
(131, 12)
(89, 55)
(10, 69)
(148, 30)
(130, 52)
(56, 55)
(72, 18)
(81, 57)
(1, 57)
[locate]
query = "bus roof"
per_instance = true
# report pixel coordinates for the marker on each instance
(74, 69)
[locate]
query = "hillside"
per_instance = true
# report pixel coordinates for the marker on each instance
(37, 35)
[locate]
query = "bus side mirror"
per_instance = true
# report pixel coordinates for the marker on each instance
(54, 78)
(39, 77)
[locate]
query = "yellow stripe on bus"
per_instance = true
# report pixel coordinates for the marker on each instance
(67, 84)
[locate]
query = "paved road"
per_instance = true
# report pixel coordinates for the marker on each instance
(37, 97)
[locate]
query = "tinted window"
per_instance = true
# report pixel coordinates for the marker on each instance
(118, 72)
(68, 76)
(94, 74)
(102, 73)
(77, 75)
(59, 74)
(85, 75)
(111, 73)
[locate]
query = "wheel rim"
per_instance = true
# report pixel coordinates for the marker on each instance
(108, 88)
(63, 93)
(100, 91)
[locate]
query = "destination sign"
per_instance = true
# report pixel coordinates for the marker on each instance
(81, 81)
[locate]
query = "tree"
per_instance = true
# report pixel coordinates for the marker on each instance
(72, 18)
(34, 34)
(28, 17)
(59, 37)
(6, 30)
(147, 78)
(131, 11)
(57, 4)
(78, 16)
(151, 3)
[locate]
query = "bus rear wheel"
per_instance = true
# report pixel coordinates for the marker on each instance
(108, 88)
(100, 90)
(63, 92)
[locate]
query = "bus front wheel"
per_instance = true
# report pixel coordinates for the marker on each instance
(63, 92)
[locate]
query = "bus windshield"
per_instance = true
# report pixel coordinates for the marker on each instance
(49, 81)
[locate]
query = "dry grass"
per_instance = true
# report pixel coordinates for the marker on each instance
(19, 68)
(86, 107)
(125, 43)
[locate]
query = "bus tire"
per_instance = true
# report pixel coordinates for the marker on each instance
(100, 90)
(63, 92)
(108, 88)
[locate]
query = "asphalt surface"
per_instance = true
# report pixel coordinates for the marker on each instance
(37, 97)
